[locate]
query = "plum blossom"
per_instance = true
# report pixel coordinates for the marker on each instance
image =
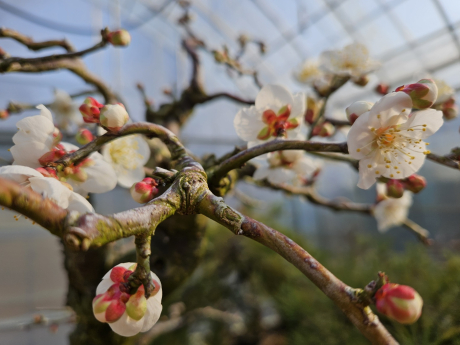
(126, 314)
(445, 91)
(308, 72)
(390, 212)
(291, 167)
(66, 111)
(127, 155)
(276, 114)
(49, 187)
(352, 61)
(388, 139)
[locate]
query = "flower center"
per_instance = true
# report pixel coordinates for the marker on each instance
(277, 123)
(124, 152)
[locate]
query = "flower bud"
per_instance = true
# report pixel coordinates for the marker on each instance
(47, 172)
(53, 155)
(449, 109)
(399, 302)
(382, 88)
(218, 56)
(313, 108)
(57, 136)
(326, 129)
(90, 110)
(423, 93)
(4, 114)
(84, 136)
(119, 38)
(361, 81)
(357, 109)
(395, 189)
(415, 183)
(144, 191)
(113, 117)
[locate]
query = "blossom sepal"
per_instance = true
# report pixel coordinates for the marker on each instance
(399, 302)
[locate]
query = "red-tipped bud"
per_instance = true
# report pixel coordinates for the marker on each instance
(47, 172)
(84, 136)
(144, 191)
(415, 183)
(395, 189)
(51, 156)
(326, 129)
(449, 109)
(4, 114)
(113, 117)
(382, 88)
(399, 302)
(119, 38)
(423, 93)
(90, 110)
(357, 109)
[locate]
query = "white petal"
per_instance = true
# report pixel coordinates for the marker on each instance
(127, 327)
(261, 172)
(331, 61)
(152, 314)
(304, 166)
(45, 112)
(33, 128)
(428, 119)
(273, 97)
(103, 286)
(298, 106)
(126, 178)
(80, 204)
(52, 189)
(281, 175)
(248, 123)
(143, 149)
(159, 294)
(388, 106)
(367, 176)
(69, 147)
(18, 173)
(125, 265)
(360, 137)
(27, 154)
(392, 212)
(101, 176)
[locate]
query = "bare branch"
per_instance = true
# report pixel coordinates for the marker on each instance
(342, 295)
(229, 96)
(31, 44)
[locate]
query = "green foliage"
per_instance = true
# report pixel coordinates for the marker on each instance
(280, 306)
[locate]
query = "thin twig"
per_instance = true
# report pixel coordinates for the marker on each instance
(31, 44)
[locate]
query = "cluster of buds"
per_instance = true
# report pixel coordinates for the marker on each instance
(414, 183)
(90, 110)
(399, 302)
(110, 116)
(119, 38)
(144, 191)
(84, 136)
(423, 93)
(357, 109)
(4, 114)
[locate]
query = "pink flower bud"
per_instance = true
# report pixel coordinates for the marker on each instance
(399, 302)
(357, 109)
(144, 191)
(119, 38)
(423, 93)
(449, 109)
(395, 189)
(382, 88)
(113, 117)
(53, 155)
(415, 183)
(4, 114)
(84, 136)
(90, 110)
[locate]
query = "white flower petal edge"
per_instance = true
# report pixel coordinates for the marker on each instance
(392, 212)
(388, 140)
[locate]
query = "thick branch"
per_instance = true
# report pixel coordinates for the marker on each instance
(342, 295)
(31, 44)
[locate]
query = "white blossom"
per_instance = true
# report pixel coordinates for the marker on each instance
(391, 212)
(352, 61)
(127, 155)
(276, 114)
(388, 140)
(67, 115)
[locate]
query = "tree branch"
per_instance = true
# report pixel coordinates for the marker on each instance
(229, 96)
(31, 44)
(342, 295)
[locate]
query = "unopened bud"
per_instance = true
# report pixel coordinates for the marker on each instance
(357, 109)
(84, 136)
(47, 172)
(415, 183)
(361, 81)
(423, 93)
(218, 56)
(382, 88)
(4, 114)
(325, 129)
(113, 117)
(399, 302)
(449, 109)
(144, 191)
(395, 189)
(119, 38)
(313, 107)
(90, 110)
(52, 156)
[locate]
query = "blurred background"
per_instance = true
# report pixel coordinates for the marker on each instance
(411, 38)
